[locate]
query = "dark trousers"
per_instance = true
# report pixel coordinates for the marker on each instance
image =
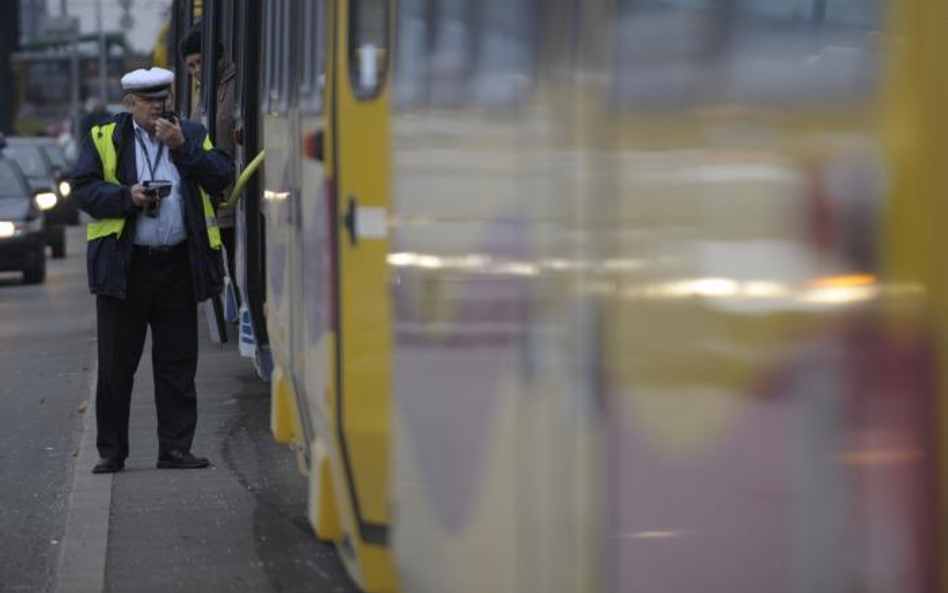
(160, 295)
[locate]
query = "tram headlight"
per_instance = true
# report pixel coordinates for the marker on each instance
(7, 229)
(45, 200)
(65, 189)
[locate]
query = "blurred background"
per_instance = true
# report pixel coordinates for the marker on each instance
(61, 60)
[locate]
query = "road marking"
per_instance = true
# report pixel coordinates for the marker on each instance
(81, 567)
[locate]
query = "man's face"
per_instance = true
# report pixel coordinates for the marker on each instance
(193, 64)
(145, 111)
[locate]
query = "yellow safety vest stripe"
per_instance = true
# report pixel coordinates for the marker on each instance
(102, 138)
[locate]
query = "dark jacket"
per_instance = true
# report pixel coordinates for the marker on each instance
(108, 258)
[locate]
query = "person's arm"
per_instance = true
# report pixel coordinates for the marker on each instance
(94, 195)
(209, 167)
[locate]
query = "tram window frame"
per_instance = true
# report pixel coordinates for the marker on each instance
(355, 34)
(314, 57)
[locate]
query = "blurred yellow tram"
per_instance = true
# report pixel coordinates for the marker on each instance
(603, 295)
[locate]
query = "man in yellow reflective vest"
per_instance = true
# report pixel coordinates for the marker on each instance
(153, 253)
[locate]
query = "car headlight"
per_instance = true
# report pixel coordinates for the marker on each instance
(45, 200)
(17, 229)
(65, 189)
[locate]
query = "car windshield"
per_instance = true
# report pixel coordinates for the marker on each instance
(30, 160)
(55, 156)
(10, 184)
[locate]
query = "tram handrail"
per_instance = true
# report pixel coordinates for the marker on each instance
(245, 176)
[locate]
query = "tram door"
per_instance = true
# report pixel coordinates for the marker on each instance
(358, 158)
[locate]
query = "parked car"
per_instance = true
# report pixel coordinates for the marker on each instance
(22, 224)
(32, 155)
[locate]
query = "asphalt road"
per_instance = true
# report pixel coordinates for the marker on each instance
(46, 336)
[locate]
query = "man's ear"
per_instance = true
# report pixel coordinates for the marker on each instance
(128, 101)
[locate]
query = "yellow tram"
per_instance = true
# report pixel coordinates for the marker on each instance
(610, 295)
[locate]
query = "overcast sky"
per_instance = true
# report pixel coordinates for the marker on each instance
(149, 16)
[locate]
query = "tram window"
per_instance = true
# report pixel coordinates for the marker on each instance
(825, 50)
(237, 50)
(368, 46)
(453, 52)
(276, 95)
(411, 53)
(281, 84)
(864, 13)
(227, 30)
(858, 13)
(312, 81)
(676, 52)
(481, 52)
(268, 57)
(663, 50)
(779, 9)
(505, 58)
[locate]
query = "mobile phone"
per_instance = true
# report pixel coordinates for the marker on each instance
(170, 116)
(157, 188)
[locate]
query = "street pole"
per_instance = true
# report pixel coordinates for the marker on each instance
(103, 60)
(74, 97)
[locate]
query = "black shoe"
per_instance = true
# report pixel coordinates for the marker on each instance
(109, 465)
(177, 459)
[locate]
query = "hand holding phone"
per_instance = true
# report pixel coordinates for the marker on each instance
(168, 130)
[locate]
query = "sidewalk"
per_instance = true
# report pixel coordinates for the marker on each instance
(238, 526)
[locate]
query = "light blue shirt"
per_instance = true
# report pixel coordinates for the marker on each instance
(168, 227)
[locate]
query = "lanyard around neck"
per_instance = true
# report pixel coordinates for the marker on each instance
(152, 168)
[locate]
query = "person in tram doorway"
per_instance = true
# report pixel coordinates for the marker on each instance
(190, 51)
(153, 253)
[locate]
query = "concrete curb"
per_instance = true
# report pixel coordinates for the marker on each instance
(81, 567)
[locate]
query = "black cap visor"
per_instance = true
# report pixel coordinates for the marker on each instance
(153, 92)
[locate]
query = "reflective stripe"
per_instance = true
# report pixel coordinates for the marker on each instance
(103, 228)
(102, 138)
(210, 220)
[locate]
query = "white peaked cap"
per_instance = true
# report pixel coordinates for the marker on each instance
(152, 83)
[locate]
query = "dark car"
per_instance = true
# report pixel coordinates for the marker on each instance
(57, 158)
(31, 155)
(22, 235)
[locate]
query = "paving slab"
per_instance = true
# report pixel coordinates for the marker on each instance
(239, 525)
